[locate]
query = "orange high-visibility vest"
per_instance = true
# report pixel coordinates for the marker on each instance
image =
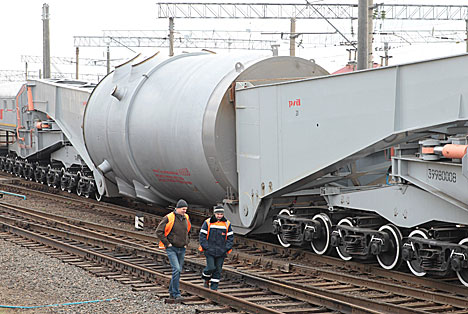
(170, 224)
(227, 224)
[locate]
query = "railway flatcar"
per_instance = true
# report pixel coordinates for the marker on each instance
(370, 165)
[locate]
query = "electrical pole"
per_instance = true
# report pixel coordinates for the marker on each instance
(370, 36)
(171, 36)
(386, 53)
(274, 50)
(26, 73)
(466, 21)
(108, 60)
(362, 35)
(292, 38)
(385, 56)
(46, 41)
(77, 51)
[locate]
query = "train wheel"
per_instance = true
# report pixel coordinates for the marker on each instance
(321, 245)
(79, 187)
(63, 180)
(57, 178)
(98, 196)
(343, 255)
(413, 266)
(49, 176)
(392, 258)
(281, 240)
(20, 170)
(69, 188)
(27, 173)
(31, 172)
(463, 274)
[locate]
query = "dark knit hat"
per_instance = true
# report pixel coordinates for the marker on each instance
(218, 210)
(181, 203)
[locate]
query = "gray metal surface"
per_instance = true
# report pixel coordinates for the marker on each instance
(441, 178)
(169, 131)
(10, 89)
(67, 155)
(65, 102)
(282, 146)
(58, 103)
(403, 205)
(437, 193)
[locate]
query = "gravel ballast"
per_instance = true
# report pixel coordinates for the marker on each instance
(30, 278)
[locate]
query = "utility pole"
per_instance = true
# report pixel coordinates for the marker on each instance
(77, 51)
(362, 34)
(292, 38)
(274, 50)
(466, 39)
(108, 60)
(171, 36)
(370, 35)
(26, 71)
(46, 41)
(386, 56)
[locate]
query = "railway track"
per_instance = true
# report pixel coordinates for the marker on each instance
(255, 270)
(127, 215)
(152, 214)
(131, 263)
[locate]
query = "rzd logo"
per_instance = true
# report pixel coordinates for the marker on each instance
(295, 103)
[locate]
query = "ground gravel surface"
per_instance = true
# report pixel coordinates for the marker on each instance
(76, 211)
(29, 278)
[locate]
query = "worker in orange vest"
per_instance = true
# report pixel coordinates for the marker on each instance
(216, 240)
(173, 233)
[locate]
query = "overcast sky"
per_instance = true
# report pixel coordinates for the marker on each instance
(21, 30)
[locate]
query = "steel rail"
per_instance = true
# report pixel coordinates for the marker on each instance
(311, 258)
(394, 288)
(433, 284)
(382, 306)
(137, 270)
(433, 296)
(302, 289)
(44, 216)
(79, 225)
(342, 277)
(107, 207)
(316, 299)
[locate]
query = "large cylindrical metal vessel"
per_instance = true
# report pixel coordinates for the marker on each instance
(164, 129)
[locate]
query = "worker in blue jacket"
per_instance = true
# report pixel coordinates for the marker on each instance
(216, 240)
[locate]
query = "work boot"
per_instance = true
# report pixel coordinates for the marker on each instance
(206, 284)
(179, 298)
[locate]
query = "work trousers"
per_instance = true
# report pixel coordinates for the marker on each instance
(212, 271)
(176, 258)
